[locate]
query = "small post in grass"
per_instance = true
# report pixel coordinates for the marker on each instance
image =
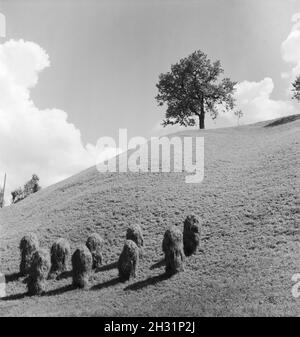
(2, 285)
(2, 192)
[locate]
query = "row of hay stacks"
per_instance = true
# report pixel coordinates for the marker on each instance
(38, 264)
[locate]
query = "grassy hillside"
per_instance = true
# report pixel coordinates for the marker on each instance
(249, 208)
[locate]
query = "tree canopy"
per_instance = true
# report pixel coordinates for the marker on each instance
(32, 186)
(192, 88)
(296, 89)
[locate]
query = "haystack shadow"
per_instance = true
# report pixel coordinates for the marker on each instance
(59, 291)
(107, 284)
(158, 264)
(149, 281)
(12, 277)
(14, 297)
(64, 275)
(109, 266)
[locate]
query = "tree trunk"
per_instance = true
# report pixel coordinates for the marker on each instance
(201, 121)
(202, 114)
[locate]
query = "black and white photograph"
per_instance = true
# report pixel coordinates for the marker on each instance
(149, 161)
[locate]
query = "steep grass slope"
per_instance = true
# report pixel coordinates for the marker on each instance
(249, 207)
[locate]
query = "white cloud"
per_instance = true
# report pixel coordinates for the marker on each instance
(34, 140)
(254, 99)
(290, 48)
(296, 17)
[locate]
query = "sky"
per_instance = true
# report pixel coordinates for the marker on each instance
(72, 71)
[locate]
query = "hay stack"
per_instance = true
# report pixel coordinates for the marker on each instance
(95, 244)
(28, 246)
(128, 260)
(134, 233)
(39, 270)
(173, 248)
(191, 235)
(82, 263)
(60, 253)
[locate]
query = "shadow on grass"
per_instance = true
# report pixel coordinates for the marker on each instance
(59, 291)
(158, 264)
(64, 275)
(45, 294)
(283, 120)
(149, 281)
(107, 284)
(107, 267)
(12, 277)
(14, 297)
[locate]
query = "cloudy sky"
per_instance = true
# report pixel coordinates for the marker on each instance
(72, 71)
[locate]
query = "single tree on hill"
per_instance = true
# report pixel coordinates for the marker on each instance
(192, 88)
